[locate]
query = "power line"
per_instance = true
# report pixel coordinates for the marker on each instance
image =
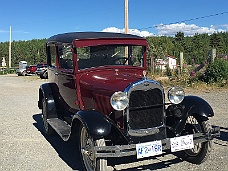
(183, 21)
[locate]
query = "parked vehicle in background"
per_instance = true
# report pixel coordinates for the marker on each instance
(42, 70)
(98, 90)
(31, 69)
(21, 71)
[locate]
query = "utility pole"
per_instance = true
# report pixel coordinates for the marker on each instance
(126, 25)
(10, 47)
(126, 16)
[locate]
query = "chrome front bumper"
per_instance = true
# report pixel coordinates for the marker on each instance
(130, 150)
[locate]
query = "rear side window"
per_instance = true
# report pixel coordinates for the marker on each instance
(51, 56)
(65, 57)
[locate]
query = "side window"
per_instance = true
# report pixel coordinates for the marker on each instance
(51, 56)
(83, 55)
(65, 57)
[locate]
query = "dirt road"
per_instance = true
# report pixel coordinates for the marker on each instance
(23, 145)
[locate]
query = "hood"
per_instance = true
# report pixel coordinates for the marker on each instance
(108, 81)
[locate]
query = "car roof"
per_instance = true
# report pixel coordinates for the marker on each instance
(70, 37)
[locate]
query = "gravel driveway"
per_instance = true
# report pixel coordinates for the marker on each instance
(23, 145)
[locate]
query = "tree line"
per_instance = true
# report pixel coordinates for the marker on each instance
(32, 51)
(196, 48)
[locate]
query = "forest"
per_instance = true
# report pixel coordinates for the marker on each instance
(196, 48)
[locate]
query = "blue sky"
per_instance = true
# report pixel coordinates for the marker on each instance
(36, 19)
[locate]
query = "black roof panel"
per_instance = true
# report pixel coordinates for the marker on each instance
(69, 37)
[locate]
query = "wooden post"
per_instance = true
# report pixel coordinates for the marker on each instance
(213, 55)
(152, 64)
(181, 61)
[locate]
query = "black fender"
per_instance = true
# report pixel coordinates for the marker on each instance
(45, 92)
(196, 105)
(192, 105)
(95, 122)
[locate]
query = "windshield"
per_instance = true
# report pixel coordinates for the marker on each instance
(95, 56)
(41, 65)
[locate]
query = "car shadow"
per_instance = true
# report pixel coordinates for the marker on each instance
(159, 164)
(67, 151)
(223, 136)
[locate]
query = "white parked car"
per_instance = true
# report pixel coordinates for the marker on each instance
(21, 71)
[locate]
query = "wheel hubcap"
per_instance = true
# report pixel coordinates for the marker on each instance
(87, 150)
(195, 129)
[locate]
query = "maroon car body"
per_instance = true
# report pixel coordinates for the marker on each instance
(98, 90)
(31, 69)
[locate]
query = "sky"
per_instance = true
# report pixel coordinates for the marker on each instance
(38, 19)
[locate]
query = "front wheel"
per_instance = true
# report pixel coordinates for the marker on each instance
(201, 151)
(86, 147)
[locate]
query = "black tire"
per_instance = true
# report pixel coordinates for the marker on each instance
(44, 75)
(41, 76)
(47, 128)
(201, 151)
(23, 73)
(86, 148)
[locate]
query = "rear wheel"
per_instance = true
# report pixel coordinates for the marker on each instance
(201, 151)
(23, 73)
(44, 75)
(86, 147)
(47, 128)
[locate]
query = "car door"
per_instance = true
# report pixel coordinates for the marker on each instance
(66, 80)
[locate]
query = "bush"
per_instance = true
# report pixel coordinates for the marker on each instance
(216, 72)
(168, 71)
(7, 71)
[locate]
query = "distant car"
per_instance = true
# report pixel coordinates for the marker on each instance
(21, 71)
(98, 91)
(31, 69)
(42, 70)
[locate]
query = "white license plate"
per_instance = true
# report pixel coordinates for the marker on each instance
(181, 143)
(148, 149)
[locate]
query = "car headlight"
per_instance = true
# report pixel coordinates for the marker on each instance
(176, 95)
(119, 100)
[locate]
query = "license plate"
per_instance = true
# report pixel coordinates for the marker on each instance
(181, 143)
(148, 149)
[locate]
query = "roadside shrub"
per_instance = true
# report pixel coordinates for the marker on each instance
(216, 72)
(168, 71)
(7, 71)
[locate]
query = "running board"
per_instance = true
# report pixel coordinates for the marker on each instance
(61, 127)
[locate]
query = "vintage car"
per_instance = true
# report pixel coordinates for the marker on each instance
(98, 90)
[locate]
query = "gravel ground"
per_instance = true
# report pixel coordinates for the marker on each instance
(23, 145)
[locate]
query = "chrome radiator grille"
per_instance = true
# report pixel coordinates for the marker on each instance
(146, 109)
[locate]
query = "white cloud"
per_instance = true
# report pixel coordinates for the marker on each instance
(172, 29)
(17, 31)
(130, 31)
(187, 29)
(4, 31)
